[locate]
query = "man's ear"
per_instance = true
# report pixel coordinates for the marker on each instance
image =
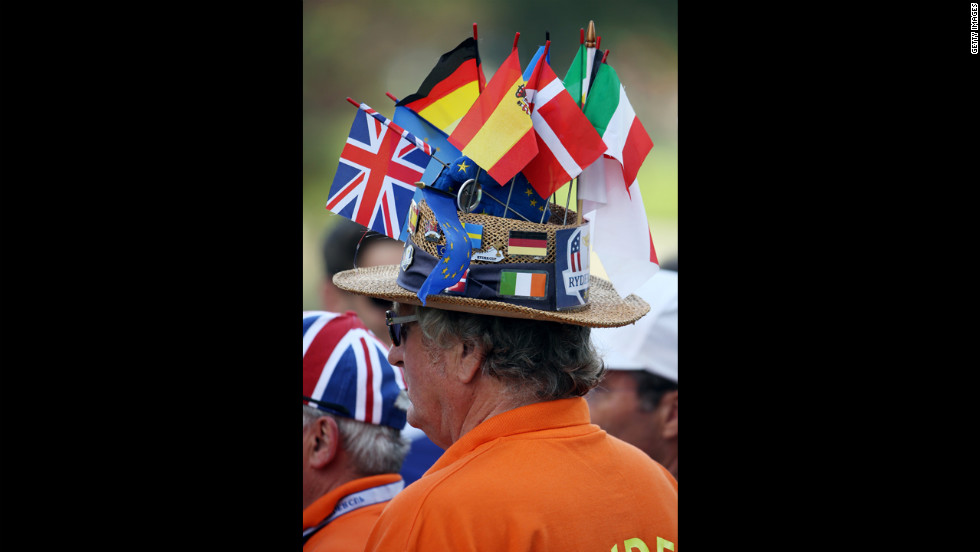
(323, 441)
(669, 405)
(469, 358)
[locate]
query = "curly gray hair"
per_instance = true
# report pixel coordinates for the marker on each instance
(373, 449)
(540, 360)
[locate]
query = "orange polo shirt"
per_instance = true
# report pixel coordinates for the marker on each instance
(539, 477)
(350, 529)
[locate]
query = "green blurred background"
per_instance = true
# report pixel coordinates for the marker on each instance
(364, 48)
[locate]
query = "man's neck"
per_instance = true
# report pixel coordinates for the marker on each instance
(326, 480)
(489, 398)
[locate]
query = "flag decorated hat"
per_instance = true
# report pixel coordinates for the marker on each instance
(497, 266)
(480, 233)
(346, 370)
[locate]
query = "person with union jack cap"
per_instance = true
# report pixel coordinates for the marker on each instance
(353, 412)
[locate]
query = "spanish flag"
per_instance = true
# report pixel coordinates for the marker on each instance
(496, 132)
(450, 88)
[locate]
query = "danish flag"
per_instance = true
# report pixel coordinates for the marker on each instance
(378, 167)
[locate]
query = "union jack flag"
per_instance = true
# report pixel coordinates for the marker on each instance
(378, 167)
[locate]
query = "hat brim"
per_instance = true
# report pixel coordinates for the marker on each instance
(606, 309)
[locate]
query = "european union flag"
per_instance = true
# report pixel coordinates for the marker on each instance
(524, 201)
(456, 255)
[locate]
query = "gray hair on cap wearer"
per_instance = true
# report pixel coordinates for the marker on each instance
(540, 360)
(373, 449)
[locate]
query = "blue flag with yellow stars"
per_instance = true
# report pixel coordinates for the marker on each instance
(517, 195)
(522, 202)
(456, 257)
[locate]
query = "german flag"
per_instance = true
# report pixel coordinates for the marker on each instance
(451, 87)
(527, 243)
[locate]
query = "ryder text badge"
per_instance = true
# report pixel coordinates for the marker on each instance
(572, 267)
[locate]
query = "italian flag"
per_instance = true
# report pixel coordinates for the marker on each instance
(611, 195)
(610, 112)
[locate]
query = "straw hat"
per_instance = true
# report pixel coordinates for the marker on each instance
(498, 259)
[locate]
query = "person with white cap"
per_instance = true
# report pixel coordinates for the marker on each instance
(353, 412)
(637, 399)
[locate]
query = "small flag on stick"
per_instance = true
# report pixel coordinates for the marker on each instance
(379, 165)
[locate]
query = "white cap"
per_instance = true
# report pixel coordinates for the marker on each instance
(651, 343)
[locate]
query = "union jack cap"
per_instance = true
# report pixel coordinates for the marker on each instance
(346, 370)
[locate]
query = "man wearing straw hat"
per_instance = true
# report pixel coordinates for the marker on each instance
(496, 367)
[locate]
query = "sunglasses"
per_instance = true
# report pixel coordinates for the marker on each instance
(394, 323)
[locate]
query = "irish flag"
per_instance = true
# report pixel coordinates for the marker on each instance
(523, 283)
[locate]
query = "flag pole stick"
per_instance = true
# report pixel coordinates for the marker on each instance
(582, 68)
(393, 98)
(423, 186)
(590, 42)
(581, 105)
(509, 192)
(508, 208)
(479, 85)
(568, 198)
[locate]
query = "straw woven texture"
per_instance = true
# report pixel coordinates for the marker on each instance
(496, 232)
(606, 309)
